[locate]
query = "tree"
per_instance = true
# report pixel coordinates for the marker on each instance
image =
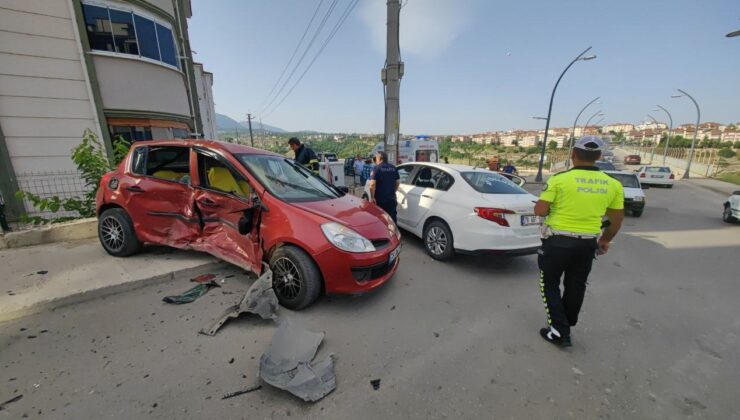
(552, 145)
(727, 153)
(515, 142)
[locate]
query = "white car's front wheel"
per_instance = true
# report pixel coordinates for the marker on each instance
(727, 214)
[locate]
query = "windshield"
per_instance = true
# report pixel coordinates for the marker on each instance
(491, 183)
(627, 180)
(605, 166)
(287, 180)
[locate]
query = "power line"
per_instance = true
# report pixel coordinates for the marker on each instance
(295, 51)
(307, 49)
(334, 31)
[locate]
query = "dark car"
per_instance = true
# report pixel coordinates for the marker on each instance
(632, 160)
(605, 166)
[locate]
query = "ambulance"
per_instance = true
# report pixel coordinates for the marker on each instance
(420, 149)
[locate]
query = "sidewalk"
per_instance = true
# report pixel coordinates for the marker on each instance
(715, 185)
(45, 277)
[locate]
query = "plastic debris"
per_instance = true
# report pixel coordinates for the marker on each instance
(10, 401)
(192, 294)
(287, 363)
(242, 391)
(376, 384)
(203, 278)
(260, 300)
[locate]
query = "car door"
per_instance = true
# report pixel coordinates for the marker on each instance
(223, 196)
(159, 197)
(429, 185)
(405, 174)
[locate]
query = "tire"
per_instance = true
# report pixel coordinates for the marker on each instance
(438, 240)
(637, 213)
(669, 185)
(116, 233)
(297, 280)
(727, 214)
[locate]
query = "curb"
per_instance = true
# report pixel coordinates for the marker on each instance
(102, 292)
(60, 232)
(713, 189)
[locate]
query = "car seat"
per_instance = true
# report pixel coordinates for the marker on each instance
(169, 175)
(222, 179)
(425, 178)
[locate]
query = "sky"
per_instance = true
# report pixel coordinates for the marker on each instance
(472, 65)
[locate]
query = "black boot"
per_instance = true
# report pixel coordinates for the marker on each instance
(550, 337)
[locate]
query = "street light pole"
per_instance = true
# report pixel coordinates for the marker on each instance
(696, 131)
(588, 121)
(538, 178)
(652, 154)
(572, 138)
(670, 129)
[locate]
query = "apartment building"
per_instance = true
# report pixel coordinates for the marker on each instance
(116, 67)
(618, 128)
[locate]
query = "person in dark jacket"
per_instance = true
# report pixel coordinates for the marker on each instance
(304, 155)
(384, 182)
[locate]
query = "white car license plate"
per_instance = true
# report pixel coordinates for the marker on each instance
(394, 255)
(531, 220)
(656, 176)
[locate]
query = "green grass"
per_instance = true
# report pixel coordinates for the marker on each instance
(733, 177)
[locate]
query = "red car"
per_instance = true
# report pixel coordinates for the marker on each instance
(632, 160)
(247, 206)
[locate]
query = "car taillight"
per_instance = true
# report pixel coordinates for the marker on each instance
(673, 176)
(642, 175)
(494, 215)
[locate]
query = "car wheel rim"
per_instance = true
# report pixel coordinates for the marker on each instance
(287, 278)
(112, 233)
(436, 241)
(727, 213)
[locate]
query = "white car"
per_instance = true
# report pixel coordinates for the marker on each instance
(656, 175)
(634, 196)
(458, 208)
(731, 212)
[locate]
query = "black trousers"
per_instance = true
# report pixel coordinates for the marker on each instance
(569, 259)
(389, 207)
(3, 222)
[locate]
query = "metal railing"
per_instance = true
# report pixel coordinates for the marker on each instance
(62, 184)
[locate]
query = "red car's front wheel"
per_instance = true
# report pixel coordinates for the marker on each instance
(296, 279)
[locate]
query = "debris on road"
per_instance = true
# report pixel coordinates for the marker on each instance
(42, 272)
(203, 278)
(260, 300)
(376, 384)
(287, 363)
(192, 294)
(10, 401)
(242, 391)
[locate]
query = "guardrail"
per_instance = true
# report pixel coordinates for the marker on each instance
(703, 165)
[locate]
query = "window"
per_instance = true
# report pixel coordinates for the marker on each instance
(217, 176)
(434, 178)
(426, 156)
(97, 23)
(180, 133)
(404, 172)
(658, 169)
(147, 35)
(138, 161)
(132, 134)
(627, 180)
(287, 180)
(491, 183)
(164, 162)
(125, 32)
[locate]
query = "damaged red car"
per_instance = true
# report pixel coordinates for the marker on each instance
(248, 207)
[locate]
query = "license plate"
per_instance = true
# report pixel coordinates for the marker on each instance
(531, 220)
(656, 176)
(394, 255)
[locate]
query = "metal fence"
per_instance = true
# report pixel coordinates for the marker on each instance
(62, 184)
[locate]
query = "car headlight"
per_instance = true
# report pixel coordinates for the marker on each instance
(345, 238)
(638, 198)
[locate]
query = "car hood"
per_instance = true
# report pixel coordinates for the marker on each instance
(520, 203)
(348, 210)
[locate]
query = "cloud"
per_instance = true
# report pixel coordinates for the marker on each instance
(428, 27)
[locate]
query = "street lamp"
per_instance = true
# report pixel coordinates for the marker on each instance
(581, 57)
(573, 131)
(733, 34)
(588, 121)
(652, 154)
(670, 129)
(696, 130)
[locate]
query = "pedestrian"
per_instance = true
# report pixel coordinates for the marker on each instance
(509, 168)
(3, 222)
(446, 160)
(574, 203)
(384, 182)
(304, 155)
(358, 165)
(367, 170)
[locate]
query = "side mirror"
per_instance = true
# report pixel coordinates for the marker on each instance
(343, 190)
(245, 222)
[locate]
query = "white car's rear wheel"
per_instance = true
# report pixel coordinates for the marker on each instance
(727, 214)
(438, 240)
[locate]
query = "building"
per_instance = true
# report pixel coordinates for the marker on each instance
(618, 128)
(118, 68)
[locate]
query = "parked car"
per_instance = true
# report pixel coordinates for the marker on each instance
(349, 167)
(605, 166)
(458, 208)
(247, 206)
(608, 156)
(632, 160)
(731, 212)
(634, 196)
(656, 175)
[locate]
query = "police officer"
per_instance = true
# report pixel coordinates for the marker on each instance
(384, 182)
(304, 155)
(574, 203)
(3, 223)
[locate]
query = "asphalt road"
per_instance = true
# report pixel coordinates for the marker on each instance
(658, 338)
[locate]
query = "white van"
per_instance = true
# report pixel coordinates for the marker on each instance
(421, 149)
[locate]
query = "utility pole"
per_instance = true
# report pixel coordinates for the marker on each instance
(262, 134)
(251, 138)
(391, 75)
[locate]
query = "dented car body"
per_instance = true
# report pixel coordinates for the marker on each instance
(246, 206)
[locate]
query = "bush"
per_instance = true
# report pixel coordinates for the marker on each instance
(92, 163)
(727, 153)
